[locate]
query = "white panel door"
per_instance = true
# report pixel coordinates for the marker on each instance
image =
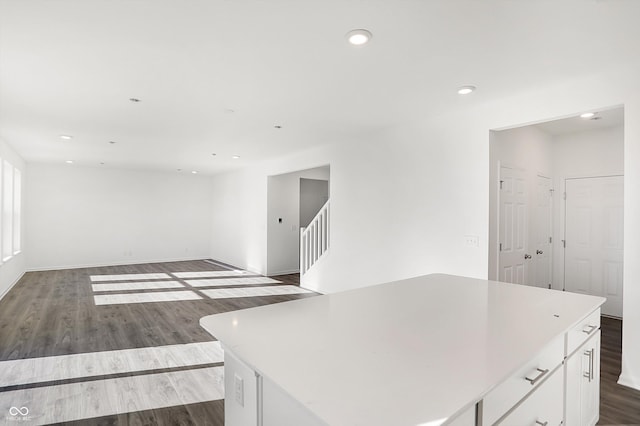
(541, 234)
(594, 239)
(513, 227)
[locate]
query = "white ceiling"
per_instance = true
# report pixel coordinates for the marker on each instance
(601, 120)
(70, 66)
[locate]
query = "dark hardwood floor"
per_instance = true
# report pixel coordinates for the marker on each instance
(53, 313)
(619, 405)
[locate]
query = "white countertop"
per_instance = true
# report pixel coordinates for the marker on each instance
(411, 352)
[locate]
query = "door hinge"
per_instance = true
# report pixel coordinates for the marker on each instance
(564, 195)
(549, 286)
(500, 249)
(501, 182)
(564, 243)
(550, 240)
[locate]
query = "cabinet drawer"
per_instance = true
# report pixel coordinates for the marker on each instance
(581, 332)
(543, 407)
(522, 382)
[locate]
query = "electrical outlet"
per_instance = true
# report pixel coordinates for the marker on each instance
(239, 388)
(471, 241)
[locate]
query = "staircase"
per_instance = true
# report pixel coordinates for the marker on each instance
(314, 239)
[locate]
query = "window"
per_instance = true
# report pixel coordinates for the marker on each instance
(17, 211)
(10, 210)
(7, 210)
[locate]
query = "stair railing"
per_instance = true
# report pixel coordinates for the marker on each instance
(314, 239)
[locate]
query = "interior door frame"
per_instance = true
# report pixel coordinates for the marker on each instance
(551, 223)
(496, 266)
(563, 215)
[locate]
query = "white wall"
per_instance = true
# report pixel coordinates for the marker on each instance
(314, 194)
(595, 153)
(239, 233)
(403, 198)
(526, 148)
(385, 225)
(14, 268)
(83, 216)
(283, 201)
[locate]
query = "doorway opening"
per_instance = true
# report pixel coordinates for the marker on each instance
(293, 200)
(556, 205)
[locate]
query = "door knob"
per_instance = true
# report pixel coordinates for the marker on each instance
(527, 256)
(539, 252)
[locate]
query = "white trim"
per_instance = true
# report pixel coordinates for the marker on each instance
(225, 264)
(496, 271)
(552, 207)
(99, 265)
(285, 272)
(12, 285)
(630, 382)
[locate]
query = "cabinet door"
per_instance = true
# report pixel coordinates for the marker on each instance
(542, 407)
(582, 393)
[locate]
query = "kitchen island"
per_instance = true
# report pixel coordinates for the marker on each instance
(431, 350)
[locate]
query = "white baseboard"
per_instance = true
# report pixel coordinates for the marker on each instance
(98, 265)
(12, 285)
(230, 266)
(630, 382)
(287, 272)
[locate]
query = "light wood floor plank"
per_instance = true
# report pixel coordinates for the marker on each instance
(64, 367)
(85, 400)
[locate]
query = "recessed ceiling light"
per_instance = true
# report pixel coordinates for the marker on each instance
(66, 137)
(194, 172)
(214, 154)
(235, 157)
(69, 161)
(587, 115)
(277, 127)
(134, 99)
(359, 37)
(465, 90)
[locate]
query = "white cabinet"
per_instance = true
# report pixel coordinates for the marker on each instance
(241, 391)
(523, 382)
(582, 393)
(542, 407)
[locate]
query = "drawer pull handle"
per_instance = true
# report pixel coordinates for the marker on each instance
(541, 424)
(590, 329)
(538, 377)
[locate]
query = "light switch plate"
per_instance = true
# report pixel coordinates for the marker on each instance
(239, 390)
(471, 241)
